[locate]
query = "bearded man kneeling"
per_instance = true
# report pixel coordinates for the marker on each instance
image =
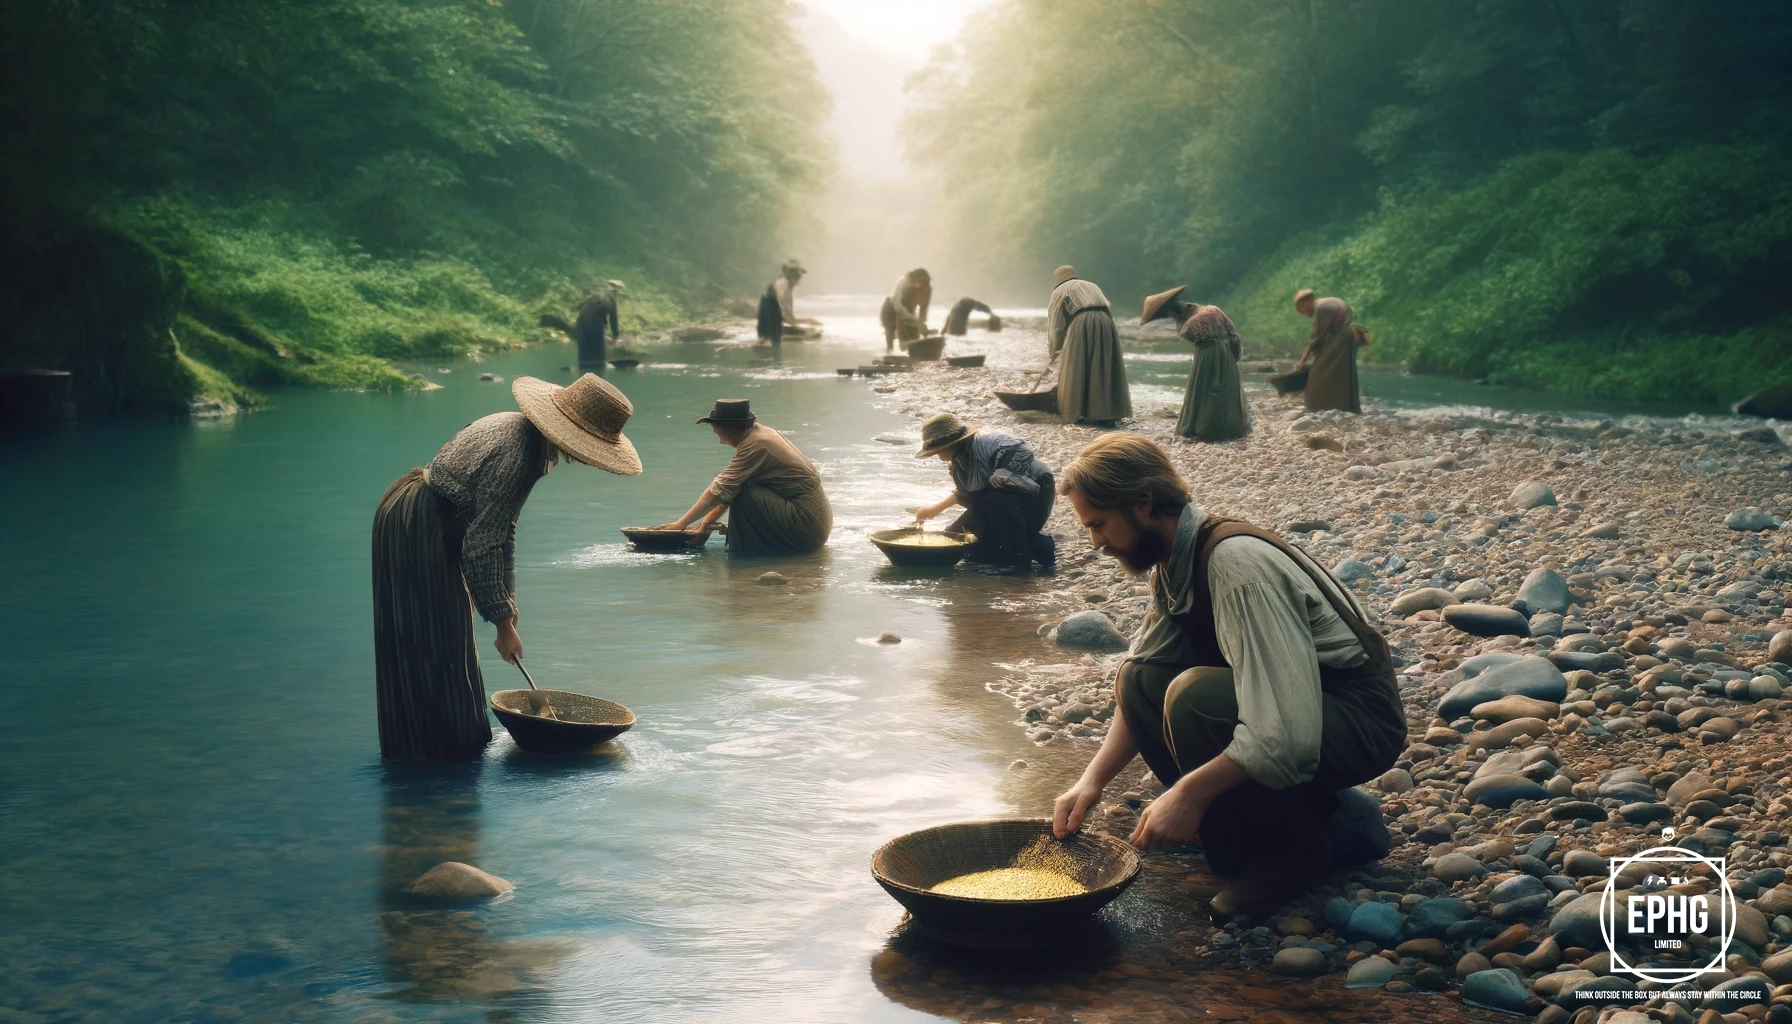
(1256, 690)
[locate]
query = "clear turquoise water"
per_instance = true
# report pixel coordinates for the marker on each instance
(196, 823)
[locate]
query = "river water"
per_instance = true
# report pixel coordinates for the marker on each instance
(194, 821)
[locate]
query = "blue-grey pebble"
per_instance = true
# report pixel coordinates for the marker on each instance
(1497, 989)
(1377, 922)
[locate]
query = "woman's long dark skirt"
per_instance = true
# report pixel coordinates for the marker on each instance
(771, 315)
(430, 694)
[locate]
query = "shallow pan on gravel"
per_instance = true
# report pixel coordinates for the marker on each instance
(909, 866)
(646, 538)
(965, 361)
(1289, 383)
(1030, 401)
(925, 349)
(941, 550)
(580, 722)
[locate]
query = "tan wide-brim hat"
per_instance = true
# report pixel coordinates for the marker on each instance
(583, 419)
(941, 430)
(1063, 274)
(1155, 304)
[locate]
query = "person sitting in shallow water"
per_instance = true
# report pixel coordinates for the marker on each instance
(770, 489)
(1006, 491)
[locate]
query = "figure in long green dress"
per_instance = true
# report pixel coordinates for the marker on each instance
(1214, 407)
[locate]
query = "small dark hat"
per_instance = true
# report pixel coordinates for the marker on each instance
(732, 411)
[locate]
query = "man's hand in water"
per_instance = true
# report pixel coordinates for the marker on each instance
(509, 645)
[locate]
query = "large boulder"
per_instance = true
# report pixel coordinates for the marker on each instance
(1090, 630)
(1529, 677)
(1544, 590)
(1487, 620)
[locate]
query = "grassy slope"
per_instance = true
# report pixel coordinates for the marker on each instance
(272, 299)
(1596, 274)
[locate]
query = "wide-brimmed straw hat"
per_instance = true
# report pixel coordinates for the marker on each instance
(583, 419)
(940, 430)
(1063, 274)
(1304, 293)
(731, 411)
(1156, 304)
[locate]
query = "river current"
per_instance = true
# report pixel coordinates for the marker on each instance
(196, 826)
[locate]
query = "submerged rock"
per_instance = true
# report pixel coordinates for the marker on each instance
(1091, 630)
(452, 880)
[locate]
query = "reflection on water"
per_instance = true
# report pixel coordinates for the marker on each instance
(196, 825)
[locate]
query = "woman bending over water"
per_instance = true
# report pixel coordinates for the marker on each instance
(444, 544)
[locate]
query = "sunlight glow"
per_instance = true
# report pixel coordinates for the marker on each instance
(908, 27)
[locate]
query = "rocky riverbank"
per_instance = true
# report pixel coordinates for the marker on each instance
(1588, 619)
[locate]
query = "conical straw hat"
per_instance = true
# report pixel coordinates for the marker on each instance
(1154, 305)
(583, 419)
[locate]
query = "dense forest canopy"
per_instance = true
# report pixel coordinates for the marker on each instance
(299, 191)
(1589, 196)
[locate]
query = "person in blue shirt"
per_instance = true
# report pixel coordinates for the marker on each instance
(1006, 491)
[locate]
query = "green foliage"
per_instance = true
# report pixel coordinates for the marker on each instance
(348, 181)
(1601, 273)
(1532, 191)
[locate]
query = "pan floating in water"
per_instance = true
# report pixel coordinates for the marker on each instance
(1030, 401)
(911, 547)
(1289, 383)
(648, 538)
(964, 360)
(625, 364)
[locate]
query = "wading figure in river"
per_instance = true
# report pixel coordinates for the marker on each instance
(904, 313)
(958, 318)
(600, 309)
(771, 490)
(1092, 384)
(1007, 491)
(1256, 690)
(777, 307)
(444, 544)
(1213, 407)
(1331, 352)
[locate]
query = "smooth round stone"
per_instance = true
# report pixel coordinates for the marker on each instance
(1780, 647)
(1546, 624)
(1090, 630)
(1487, 620)
(1457, 867)
(1544, 590)
(1421, 600)
(1577, 923)
(1370, 972)
(1765, 688)
(452, 880)
(1299, 961)
(1501, 792)
(1376, 922)
(1350, 570)
(1497, 989)
(1518, 887)
(772, 579)
(1642, 813)
(1574, 809)
(1531, 495)
(1472, 963)
(1516, 706)
(1337, 913)
(1433, 918)
(1751, 518)
(1528, 677)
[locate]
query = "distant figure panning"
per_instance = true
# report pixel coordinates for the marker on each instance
(1092, 384)
(1213, 406)
(1331, 353)
(959, 317)
(904, 312)
(777, 306)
